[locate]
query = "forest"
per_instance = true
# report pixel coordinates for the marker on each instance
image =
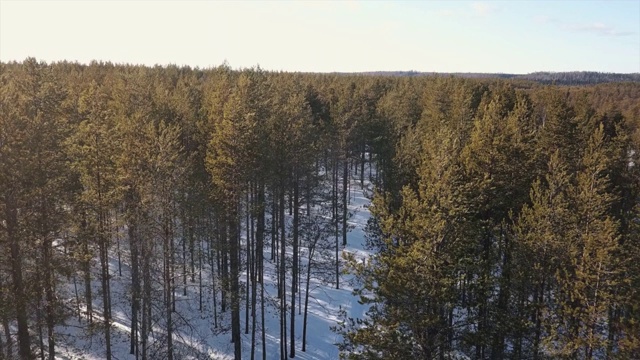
(555, 78)
(504, 212)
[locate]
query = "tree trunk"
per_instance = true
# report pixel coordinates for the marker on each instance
(212, 263)
(345, 184)
(497, 348)
(191, 246)
(248, 265)
(308, 196)
(172, 280)
(370, 168)
(184, 253)
(283, 301)
(135, 293)
(24, 342)
(49, 292)
(117, 232)
(274, 233)
(254, 270)
(200, 283)
(294, 266)
(260, 239)
(334, 198)
(224, 269)
(539, 296)
(86, 265)
(146, 297)
(39, 323)
(312, 249)
(167, 286)
(5, 325)
(234, 238)
(264, 336)
(104, 266)
(362, 161)
(50, 319)
(106, 292)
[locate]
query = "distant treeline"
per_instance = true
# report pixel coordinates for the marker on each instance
(544, 77)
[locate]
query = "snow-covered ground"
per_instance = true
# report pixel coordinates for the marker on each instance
(197, 338)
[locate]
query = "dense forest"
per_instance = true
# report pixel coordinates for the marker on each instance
(504, 212)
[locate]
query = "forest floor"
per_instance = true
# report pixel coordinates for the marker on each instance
(196, 337)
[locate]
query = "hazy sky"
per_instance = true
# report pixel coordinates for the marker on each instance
(451, 36)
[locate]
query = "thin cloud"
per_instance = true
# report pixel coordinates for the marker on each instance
(543, 19)
(483, 8)
(445, 12)
(596, 28)
(600, 29)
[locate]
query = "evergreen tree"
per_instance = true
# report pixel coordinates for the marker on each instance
(92, 151)
(34, 176)
(586, 284)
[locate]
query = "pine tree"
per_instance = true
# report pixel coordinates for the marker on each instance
(412, 279)
(498, 167)
(92, 153)
(133, 107)
(35, 172)
(587, 283)
(539, 231)
(229, 162)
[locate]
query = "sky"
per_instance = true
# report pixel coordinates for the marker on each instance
(330, 36)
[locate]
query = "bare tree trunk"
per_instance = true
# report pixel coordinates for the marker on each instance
(117, 232)
(200, 265)
(191, 245)
(167, 285)
(212, 264)
(39, 323)
(49, 292)
(260, 251)
(497, 348)
(224, 270)
(294, 266)
(275, 240)
(24, 342)
(135, 293)
(104, 266)
(248, 266)
(312, 248)
(362, 161)
(106, 298)
(146, 297)
(48, 277)
(5, 325)
(106, 292)
(274, 234)
(86, 265)
(2, 352)
(345, 184)
(172, 279)
(539, 297)
(184, 253)
(254, 271)
(370, 168)
(334, 198)
(234, 238)
(308, 196)
(283, 301)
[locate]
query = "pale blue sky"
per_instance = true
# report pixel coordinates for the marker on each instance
(323, 36)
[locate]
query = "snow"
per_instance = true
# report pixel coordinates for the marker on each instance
(196, 337)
